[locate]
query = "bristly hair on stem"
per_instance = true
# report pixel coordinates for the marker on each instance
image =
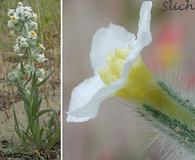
(179, 134)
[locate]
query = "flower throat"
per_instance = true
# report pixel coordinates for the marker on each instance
(141, 87)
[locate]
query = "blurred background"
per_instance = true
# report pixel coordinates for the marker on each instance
(117, 133)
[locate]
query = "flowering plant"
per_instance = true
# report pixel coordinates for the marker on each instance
(36, 138)
(120, 71)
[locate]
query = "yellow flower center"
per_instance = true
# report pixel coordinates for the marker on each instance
(33, 33)
(115, 66)
(141, 87)
(13, 18)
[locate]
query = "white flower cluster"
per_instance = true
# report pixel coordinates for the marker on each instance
(22, 22)
(20, 72)
(20, 16)
(21, 45)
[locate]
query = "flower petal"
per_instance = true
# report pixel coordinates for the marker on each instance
(105, 41)
(81, 96)
(144, 36)
(86, 98)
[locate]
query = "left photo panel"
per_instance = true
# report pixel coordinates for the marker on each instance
(30, 79)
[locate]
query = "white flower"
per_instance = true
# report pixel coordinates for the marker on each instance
(22, 42)
(21, 45)
(27, 67)
(20, 4)
(40, 79)
(32, 35)
(42, 71)
(12, 33)
(10, 25)
(16, 48)
(109, 43)
(41, 46)
(41, 74)
(40, 58)
(24, 12)
(18, 67)
(35, 16)
(11, 12)
(33, 25)
(14, 18)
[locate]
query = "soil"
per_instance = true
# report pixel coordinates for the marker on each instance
(7, 132)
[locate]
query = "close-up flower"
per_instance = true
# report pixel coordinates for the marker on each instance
(114, 53)
(120, 71)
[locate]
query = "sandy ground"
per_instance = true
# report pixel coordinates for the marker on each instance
(7, 132)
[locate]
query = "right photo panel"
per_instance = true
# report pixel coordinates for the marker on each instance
(128, 80)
